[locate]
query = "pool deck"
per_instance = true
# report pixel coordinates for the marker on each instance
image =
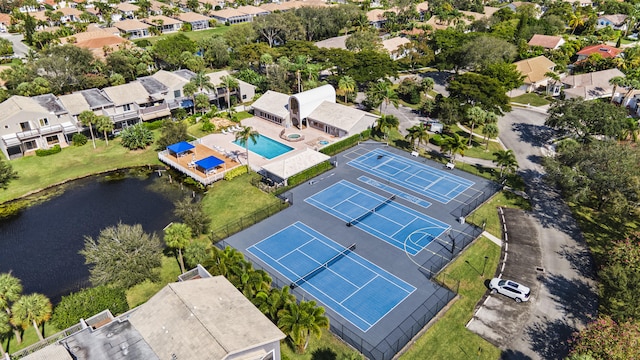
(312, 138)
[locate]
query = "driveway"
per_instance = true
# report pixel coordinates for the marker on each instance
(567, 292)
(19, 48)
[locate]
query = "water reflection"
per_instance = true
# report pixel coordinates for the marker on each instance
(40, 245)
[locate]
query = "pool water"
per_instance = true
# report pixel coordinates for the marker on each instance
(266, 147)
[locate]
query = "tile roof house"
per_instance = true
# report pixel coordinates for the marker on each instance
(546, 41)
(199, 319)
(590, 86)
(393, 45)
(534, 70)
(615, 21)
(5, 22)
(133, 29)
(316, 108)
(603, 49)
(245, 91)
(163, 23)
(468, 18)
(31, 123)
(377, 17)
(96, 41)
(197, 21)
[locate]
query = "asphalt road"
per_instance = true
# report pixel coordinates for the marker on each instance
(567, 295)
(19, 48)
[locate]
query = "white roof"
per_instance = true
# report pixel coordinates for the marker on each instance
(342, 117)
(127, 93)
(74, 102)
(310, 99)
(296, 163)
(51, 352)
(274, 103)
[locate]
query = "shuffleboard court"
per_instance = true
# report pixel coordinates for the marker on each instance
(356, 289)
(423, 179)
(381, 217)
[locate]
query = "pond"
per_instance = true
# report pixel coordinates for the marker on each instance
(40, 245)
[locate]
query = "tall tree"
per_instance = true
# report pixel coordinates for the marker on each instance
(419, 134)
(104, 124)
(10, 292)
(489, 130)
(122, 255)
(584, 119)
(506, 160)
(88, 118)
(471, 89)
(202, 82)
(33, 309)
(192, 214)
(476, 116)
(245, 135)
(386, 123)
(5, 328)
(615, 81)
(178, 236)
(300, 321)
(454, 144)
(6, 174)
(346, 86)
(230, 84)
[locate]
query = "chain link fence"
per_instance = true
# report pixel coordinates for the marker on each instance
(255, 217)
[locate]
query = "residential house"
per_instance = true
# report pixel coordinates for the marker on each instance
(423, 10)
(393, 47)
(5, 22)
(534, 71)
(70, 15)
(125, 10)
(31, 123)
(197, 21)
(580, 3)
(127, 100)
(604, 50)
(156, 7)
(338, 42)
(90, 100)
(235, 16)
(96, 41)
(316, 108)
(132, 29)
(203, 318)
(245, 91)
(590, 86)
(548, 42)
(467, 18)
(377, 17)
(167, 88)
(163, 23)
(615, 21)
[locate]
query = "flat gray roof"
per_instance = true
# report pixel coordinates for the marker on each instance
(50, 103)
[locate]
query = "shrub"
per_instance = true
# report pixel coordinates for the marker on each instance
(346, 143)
(437, 139)
(79, 139)
(136, 137)
(153, 125)
(144, 43)
(88, 302)
(309, 173)
(235, 172)
(208, 126)
(46, 152)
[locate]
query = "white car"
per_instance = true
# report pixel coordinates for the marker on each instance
(510, 288)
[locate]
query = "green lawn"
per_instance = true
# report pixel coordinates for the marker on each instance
(167, 273)
(29, 337)
(228, 201)
(448, 338)
(531, 99)
(327, 342)
(193, 35)
(489, 211)
(36, 173)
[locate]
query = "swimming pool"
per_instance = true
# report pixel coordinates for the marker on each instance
(266, 147)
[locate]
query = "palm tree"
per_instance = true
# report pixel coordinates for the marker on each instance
(477, 116)
(253, 282)
(33, 309)
(104, 124)
(387, 94)
(631, 85)
(300, 321)
(272, 301)
(230, 83)
(454, 145)
(490, 130)
(245, 135)
(506, 160)
(555, 78)
(385, 123)
(178, 236)
(202, 82)
(10, 291)
(577, 19)
(616, 81)
(346, 86)
(88, 118)
(417, 133)
(266, 60)
(5, 328)
(223, 261)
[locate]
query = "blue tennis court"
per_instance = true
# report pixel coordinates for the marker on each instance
(392, 222)
(436, 184)
(350, 285)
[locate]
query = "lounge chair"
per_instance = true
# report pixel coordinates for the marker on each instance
(238, 127)
(224, 131)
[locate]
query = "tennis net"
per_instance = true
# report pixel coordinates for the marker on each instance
(320, 268)
(369, 212)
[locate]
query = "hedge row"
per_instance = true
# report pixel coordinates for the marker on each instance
(349, 142)
(46, 152)
(235, 172)
(309, 173)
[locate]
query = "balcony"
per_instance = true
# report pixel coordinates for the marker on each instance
(42, 131)
(154, 112)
